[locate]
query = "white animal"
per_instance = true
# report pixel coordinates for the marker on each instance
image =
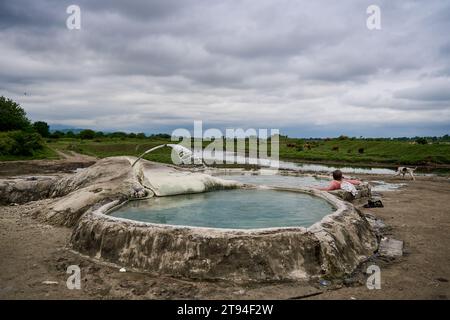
(406, 170)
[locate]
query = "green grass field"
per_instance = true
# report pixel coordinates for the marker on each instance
(108, 147)
(345, 151)
(353, 151)
(366, 151)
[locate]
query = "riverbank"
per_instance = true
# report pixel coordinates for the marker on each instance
(425, 168)
(70, 161)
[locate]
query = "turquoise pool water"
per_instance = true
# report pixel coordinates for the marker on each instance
(236, 209)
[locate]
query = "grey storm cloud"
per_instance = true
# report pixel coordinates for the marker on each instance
(303, 66)
(435, 90)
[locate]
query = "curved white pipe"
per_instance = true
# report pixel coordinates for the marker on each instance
(148, 151)
(183, 152)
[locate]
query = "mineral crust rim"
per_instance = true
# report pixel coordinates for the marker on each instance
(338, 205)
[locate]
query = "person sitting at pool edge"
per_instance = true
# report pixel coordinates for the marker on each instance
(337, 180)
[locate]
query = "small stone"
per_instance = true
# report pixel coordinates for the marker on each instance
(391, 247)
(239, 292)
(122, 270)
(324, 283)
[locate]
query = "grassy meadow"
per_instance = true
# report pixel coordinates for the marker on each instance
(366, 151)
(349, 150)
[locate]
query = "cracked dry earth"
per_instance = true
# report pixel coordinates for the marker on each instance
(32, 253)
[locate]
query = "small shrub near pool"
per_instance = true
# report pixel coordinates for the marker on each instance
(20, 143)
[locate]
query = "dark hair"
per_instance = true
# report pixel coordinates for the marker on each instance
(337, 175)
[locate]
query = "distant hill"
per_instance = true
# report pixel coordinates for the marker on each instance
(64, 128)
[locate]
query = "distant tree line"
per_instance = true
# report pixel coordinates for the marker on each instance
(88, 134)
(416, 139)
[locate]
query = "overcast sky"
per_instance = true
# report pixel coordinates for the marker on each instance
(308, 68)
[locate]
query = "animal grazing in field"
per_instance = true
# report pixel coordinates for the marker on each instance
(406, 170)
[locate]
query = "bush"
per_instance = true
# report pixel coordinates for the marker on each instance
(140, 135)
(20, 143)
(7, 144)
(42, 128)
(12, 116)
(421, 141)
(161, 135)
(118, 134)
(57, 135)
(87, 134)
(99, 134)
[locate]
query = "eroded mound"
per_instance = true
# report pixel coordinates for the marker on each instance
(107, 180)
(334, 246)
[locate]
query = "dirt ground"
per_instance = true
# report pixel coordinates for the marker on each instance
(32, 253)
(69, 162)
